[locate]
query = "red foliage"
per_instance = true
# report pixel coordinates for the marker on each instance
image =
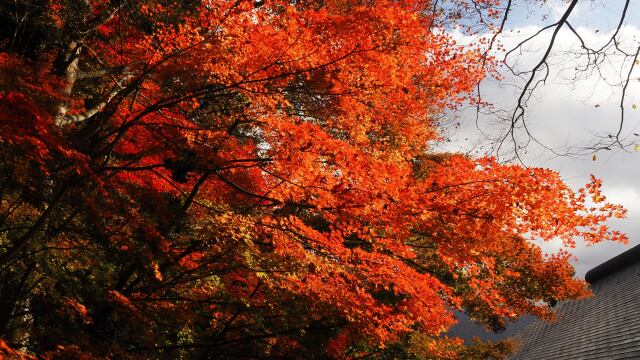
(257, 179)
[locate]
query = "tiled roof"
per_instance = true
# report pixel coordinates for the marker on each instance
(604, 326)
(467, 329)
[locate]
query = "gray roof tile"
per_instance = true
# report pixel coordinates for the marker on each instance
(604, 326)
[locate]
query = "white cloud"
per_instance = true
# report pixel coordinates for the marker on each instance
(569, 111)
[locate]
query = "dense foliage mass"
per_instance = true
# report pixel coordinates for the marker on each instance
(250, 179)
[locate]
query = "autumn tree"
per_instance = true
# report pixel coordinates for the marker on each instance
(224, 179)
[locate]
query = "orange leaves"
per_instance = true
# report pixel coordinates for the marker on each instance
(156, 271)
(527, 201)
(6, 352)
(263, 176)
(485, 216)
(76, 309)
(123, 303)
(356, 281)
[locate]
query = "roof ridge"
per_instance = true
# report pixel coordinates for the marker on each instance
(613, 265)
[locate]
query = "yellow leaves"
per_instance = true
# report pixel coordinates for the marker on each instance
(208, 286)
(156, 271)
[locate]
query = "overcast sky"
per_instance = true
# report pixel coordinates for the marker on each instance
(566, 113)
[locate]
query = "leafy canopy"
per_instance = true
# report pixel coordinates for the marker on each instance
(253, 179)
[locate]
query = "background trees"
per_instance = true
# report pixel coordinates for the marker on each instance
(253, 179)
